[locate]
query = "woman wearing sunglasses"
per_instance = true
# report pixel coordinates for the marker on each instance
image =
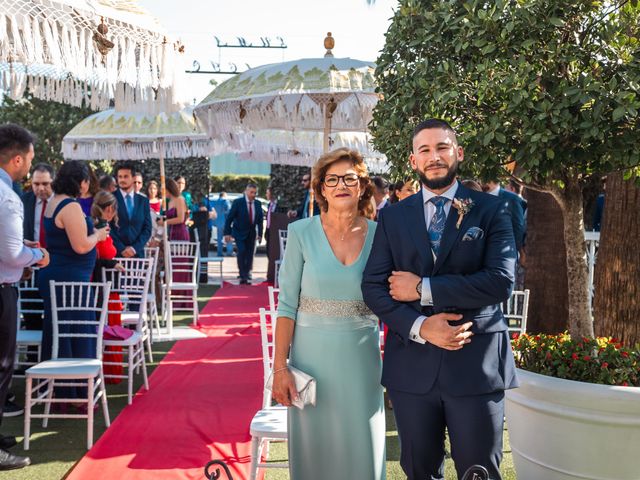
(329, 332)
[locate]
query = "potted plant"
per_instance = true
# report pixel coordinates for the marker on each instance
(577, 411)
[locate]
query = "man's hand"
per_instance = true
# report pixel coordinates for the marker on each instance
(228, 238)
(292, 214)
(128, 252)
(45, 259)
(436, 330)
(402, 286)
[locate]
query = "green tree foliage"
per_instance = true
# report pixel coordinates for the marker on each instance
(50, 121)
(551, 84)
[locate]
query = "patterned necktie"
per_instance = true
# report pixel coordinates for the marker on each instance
(251, 213)
(129, 202)
(436, 226)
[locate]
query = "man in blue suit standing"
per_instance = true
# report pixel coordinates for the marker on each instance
(442, 261)
(133, 230)
(243, 223)
(515, 207)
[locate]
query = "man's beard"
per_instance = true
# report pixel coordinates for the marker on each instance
(442, 182)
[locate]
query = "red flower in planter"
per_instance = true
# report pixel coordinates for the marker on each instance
(586, 358)
(574, 356)
(625, 354)
(605, 364)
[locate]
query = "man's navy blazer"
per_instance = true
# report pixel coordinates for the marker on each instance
(473, 274)
(237, 224)
(28, 225)
(132, 232)
(515, 206)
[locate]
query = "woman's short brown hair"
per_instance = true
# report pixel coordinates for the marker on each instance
(340, 155)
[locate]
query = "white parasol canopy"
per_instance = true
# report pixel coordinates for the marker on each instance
(80, 50)
(301, 148)
(118, 135)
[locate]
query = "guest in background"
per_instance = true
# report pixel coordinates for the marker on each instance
(155, 202)
(472, 184)
(222, 206)
(380, 193)
(107, 183)
(138, 182)
(244, 224)
(403, 189)
(176, 215)
(134, 227)
(71, 240)
(303, 209)
(87, 192)
(35, 203)
(271, 208)
(103, 211)
(182, 185)
(514, 206)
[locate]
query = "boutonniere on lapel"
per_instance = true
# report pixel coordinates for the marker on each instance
(463, 206)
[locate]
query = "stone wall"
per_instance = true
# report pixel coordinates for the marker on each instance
(194, 170)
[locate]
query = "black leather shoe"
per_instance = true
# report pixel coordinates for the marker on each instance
(7, 442)
(11, 409)
(9, 461)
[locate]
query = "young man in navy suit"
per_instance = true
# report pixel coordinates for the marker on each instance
(133, 230)
(442, 261)
(244, 224)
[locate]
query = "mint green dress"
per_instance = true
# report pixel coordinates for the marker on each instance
(336, 340)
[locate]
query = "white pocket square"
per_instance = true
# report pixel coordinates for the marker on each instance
(474, 233)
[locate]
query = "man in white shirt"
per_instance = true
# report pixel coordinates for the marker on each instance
(16, 155)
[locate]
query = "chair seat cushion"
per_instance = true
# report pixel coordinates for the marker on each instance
(66, 368)
(183, 286)
(132, 340)
(32, 337)
(270, 423)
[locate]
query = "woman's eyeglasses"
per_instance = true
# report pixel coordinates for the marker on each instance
(350, 180)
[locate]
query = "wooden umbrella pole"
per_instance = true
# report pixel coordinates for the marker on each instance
(165, 233)
(329, 108)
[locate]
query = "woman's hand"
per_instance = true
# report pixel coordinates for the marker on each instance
(119, 267)
(102, 233)
(284, 387)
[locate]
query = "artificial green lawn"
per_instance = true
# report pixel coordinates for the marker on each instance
(56, 450)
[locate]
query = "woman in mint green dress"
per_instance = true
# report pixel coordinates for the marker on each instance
(329, 331)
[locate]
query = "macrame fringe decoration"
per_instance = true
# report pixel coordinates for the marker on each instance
(132, 150)
(47, 46)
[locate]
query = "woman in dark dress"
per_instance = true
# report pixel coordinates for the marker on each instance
(71, 241)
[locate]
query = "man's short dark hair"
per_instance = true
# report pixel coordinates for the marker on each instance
(106, 181)
(380, 184)
(14, 140)
(251, 185)
(44, 168)
(138, 172)
(433, 123)
(125, 165)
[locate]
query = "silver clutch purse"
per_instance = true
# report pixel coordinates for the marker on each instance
(305, 385)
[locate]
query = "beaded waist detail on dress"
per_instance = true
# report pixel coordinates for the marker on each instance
(348, 314)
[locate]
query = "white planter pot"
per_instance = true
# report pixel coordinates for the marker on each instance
(566, 430)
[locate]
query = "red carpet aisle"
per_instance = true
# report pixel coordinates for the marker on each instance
(202, 399)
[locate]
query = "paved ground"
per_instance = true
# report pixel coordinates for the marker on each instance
(230, 269)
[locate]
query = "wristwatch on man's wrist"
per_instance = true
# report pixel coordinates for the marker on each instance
(419, 288)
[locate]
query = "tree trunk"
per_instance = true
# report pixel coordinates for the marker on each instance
(617, 275)
(570, 200)
(548, 302)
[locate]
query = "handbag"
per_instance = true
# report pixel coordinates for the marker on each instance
(305, 385)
